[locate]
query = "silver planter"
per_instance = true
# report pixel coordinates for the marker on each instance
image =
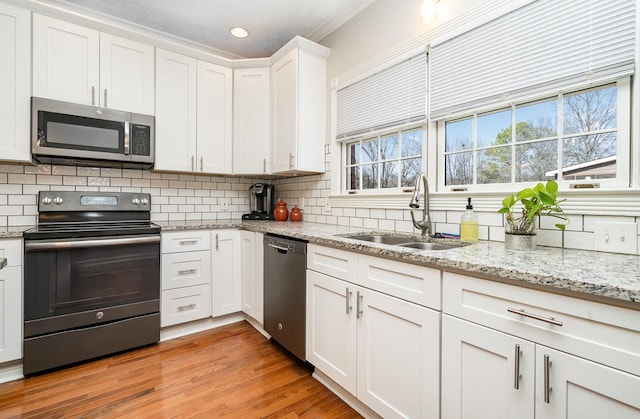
(519, 241)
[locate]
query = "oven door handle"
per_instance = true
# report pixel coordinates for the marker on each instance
(81, 244)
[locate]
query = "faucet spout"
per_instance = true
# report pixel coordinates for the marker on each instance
(425, 224)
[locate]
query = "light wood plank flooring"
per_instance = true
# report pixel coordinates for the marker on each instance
(232, 371)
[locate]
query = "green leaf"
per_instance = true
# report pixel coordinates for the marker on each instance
(508, 202)
(561, 226)
(526, 193)
(546, 199)
(552, 187)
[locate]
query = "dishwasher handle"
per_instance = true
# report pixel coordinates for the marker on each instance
(280, 249)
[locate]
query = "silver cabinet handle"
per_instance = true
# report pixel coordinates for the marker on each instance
(93, 95)
(187, 272)
(186, 242)
(217, 247)
(264, 165)
(201, 163)
(521, 312)
(291, 161)
(193, 167)
(347, 301)
(186, 307)
(547, 385)
(359, 310)
(104, 105)
(516, 374)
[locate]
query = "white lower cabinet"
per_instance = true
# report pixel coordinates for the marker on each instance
(561, 358)
(11, 301)
(252, 274)
(225, 279)
(383, 350)
(185, 277)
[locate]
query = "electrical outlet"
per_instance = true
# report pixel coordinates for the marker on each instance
(616, 237)
(224, 204)
(327, 206)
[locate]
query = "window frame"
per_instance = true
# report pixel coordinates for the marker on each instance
(624, 115)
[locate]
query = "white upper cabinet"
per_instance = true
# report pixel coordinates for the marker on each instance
(193, 115)
(81, 65)
(214, 118)
(126, 75)
(15, 91)
(298, 97)
(251, 121)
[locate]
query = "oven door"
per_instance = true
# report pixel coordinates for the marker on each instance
(80, 282)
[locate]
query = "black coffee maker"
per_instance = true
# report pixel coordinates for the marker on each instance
(261, 202)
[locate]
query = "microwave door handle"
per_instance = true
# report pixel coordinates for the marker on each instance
(126, 137)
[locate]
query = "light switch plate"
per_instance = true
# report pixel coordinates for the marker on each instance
(224, 204)
(616, 237)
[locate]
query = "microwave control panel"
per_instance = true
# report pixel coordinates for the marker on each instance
(140, 140)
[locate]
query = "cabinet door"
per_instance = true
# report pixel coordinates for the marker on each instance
(248, 272)
(284, 79)
(215, 119)
(225, 277)
(251, 121)
(175, 112)
(127, 75)
(15, 71)
(581, 389)
(485, 373)
(10, 313)
(398, 356)
(65, 61)
(331, 328)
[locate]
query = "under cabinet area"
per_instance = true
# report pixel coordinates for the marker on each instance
(521, 353)
(11, 301)
(185, 277)
(76, 64)
(383, 350)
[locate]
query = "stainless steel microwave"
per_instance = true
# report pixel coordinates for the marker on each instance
(68, 133)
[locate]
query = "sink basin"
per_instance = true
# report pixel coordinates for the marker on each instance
(379, 238)
(428, 246)
(408, 241)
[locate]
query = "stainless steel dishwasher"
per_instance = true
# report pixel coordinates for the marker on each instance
(285, 264)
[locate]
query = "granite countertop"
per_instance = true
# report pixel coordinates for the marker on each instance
(607, 277)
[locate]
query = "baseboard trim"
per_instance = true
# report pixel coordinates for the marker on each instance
(11, 371)
(196, 326)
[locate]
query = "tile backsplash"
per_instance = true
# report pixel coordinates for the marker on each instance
(180, 197)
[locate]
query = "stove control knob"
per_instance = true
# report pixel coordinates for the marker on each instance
(135, 201)
(47, 200)
(144, 201)
(58, 200)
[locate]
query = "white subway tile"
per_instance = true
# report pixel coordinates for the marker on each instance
(20, 179)
(578, 240)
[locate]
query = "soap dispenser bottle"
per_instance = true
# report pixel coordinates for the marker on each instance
(469, 224)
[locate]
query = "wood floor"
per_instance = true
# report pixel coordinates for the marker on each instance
(232, 371)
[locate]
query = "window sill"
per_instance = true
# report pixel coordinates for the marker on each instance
(619, 202)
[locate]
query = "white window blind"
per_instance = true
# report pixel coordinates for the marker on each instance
(392, 97)
(534, 49)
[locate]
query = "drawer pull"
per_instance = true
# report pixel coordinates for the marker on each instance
(186, 242)
(187, 307)
(187, 271)
(521, 312)
(347, 299)
(547, 386)
(516, 374)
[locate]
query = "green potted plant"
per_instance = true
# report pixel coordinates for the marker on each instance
(542, 199)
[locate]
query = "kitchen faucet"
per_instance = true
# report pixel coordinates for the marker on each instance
(425, 223)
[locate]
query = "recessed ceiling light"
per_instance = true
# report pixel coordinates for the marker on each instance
(239, 32)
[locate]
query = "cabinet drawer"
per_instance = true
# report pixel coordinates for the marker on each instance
(596, 331)
(185, 241)
(333, 262)
(418, 284)
(182, 305)
(186, 269)
(11, 250)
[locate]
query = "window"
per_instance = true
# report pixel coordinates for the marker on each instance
(390, 160)
(568, 137)
(380, 124)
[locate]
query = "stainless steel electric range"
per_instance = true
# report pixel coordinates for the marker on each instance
(91, 278)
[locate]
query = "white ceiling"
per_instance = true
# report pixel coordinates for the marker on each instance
(271, 23)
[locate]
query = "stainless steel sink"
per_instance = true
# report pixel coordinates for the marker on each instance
(430, 245)
(408, 241)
